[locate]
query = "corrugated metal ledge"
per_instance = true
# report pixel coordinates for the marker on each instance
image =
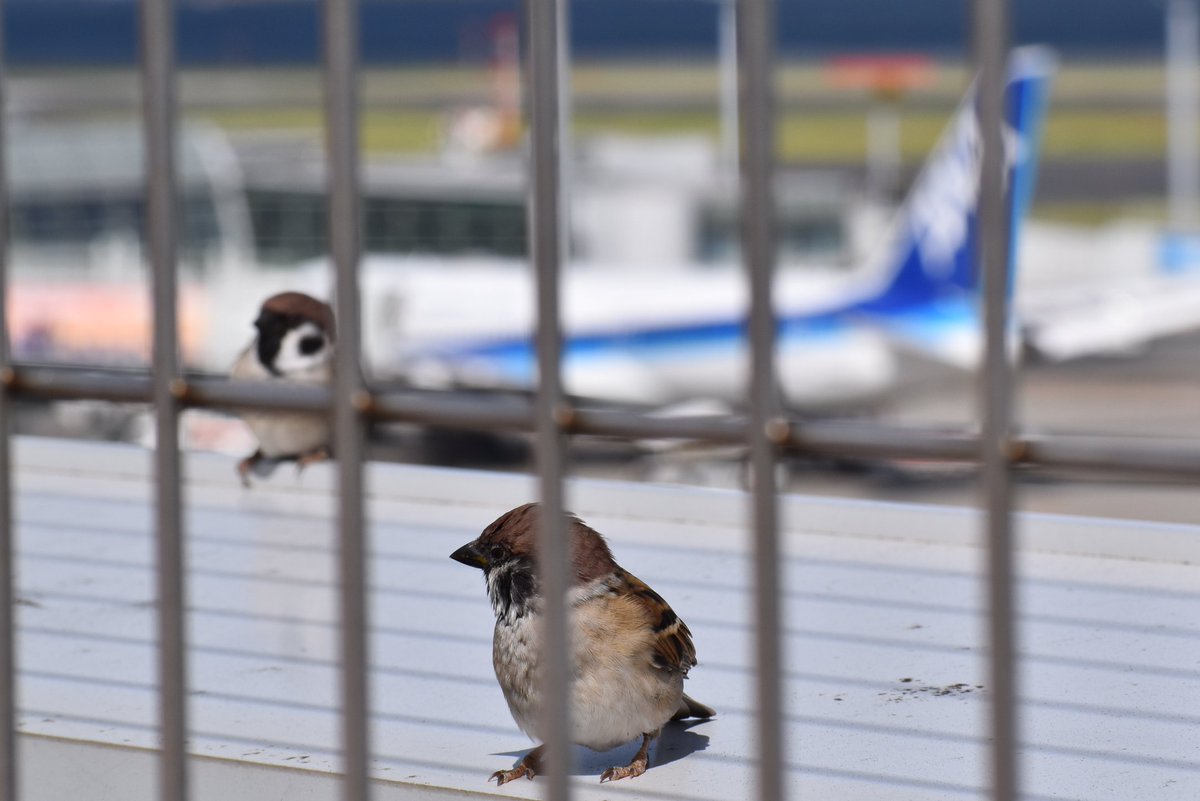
(882, 618)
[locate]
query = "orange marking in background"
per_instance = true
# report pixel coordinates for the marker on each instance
(108, 320)
(888, 75)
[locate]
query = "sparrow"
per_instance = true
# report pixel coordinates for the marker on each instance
(294, 343)
(630, 652)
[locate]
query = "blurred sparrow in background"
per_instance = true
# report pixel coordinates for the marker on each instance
(294, 343)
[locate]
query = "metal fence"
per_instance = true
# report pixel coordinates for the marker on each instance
(352, 403)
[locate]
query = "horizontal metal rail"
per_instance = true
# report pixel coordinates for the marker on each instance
(506, 412)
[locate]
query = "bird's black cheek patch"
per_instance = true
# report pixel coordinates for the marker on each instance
(269, 339)
(522, 587)
(311, 344)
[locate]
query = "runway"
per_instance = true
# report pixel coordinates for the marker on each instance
(1153, 394)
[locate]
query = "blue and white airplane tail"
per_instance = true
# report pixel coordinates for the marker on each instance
(925, 298)
(928, 299)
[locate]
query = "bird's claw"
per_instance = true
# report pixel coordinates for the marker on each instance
(528, 767)
(245, 467)
(506, 776)
(318, 454)
(626, 772)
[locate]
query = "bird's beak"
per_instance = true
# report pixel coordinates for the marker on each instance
(471, 556)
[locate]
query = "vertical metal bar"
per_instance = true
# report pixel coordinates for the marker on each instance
(756, 42)
(545, 22)
(341, 127)
(991, 46)
(1183, 115)
(566, 156)
(158, 88)
(8, 657)
(727, 82)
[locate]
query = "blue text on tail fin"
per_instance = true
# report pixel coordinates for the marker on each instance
(932, 254)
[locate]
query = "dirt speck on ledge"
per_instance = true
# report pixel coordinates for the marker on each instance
(916, 687)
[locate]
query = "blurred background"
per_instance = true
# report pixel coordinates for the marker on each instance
(1107, 263)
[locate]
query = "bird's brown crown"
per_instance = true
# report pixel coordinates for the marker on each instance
(517, 532)
(298, 304)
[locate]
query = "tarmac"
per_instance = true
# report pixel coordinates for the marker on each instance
(1152, 394)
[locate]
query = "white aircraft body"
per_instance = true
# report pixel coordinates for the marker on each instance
(662, 335)
(650, 334)
(1107, 292)
(651, 337)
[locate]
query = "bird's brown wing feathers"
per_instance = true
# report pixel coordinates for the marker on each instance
(672, 641)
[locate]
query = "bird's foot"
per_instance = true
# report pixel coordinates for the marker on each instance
(529, 766)
(636, 767)
(320, 453)
(506, 776)
(247, 466)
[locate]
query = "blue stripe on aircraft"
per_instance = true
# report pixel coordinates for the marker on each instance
(924, 302)
(515, 357)
(933, 323)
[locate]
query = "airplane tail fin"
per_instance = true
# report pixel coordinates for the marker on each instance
(932, 253)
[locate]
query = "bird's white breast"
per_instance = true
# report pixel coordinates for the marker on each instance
(283, 434)
(617, 694)
(515, 656)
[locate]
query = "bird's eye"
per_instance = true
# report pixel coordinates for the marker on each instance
(312, 344)
(496, 553)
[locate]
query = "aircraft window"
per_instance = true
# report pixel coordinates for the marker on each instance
(804, 237)
(75, 222)
(447, 227)
(290, 226)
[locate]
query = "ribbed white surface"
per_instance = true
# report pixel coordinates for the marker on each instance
(876, 594)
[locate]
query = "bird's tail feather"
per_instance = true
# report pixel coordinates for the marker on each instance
(691, 708)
